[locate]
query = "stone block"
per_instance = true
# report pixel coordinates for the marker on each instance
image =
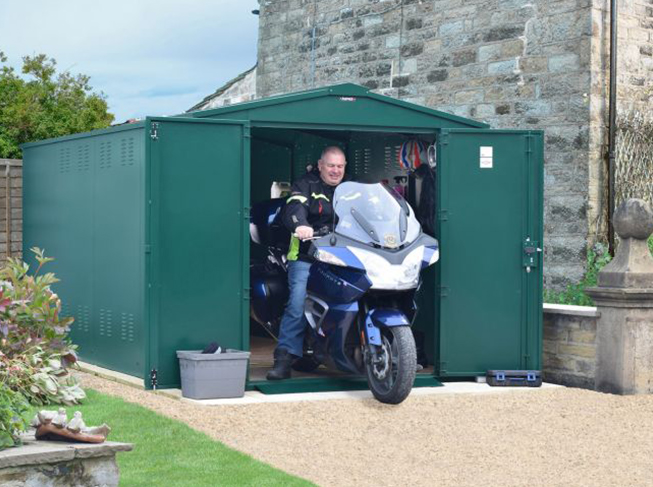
(392, 41)
(452, 28)
(502, 67)
(409, 66)
(485, 110)
(512, 48)
(460, 58)
(372, 20)
(469, 96)
(400, 81)
(412, 49)
(576, 350)
(503, 32)
(564, 63)
(490, 52)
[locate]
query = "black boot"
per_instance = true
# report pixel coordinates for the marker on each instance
(282, 362)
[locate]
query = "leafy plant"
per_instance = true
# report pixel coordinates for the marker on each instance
(12, 417)
(35, 349)
(43, 104)
(597, 258)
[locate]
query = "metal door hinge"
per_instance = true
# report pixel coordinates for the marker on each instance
(148, 249)
(154, 379)
(444, 138)
(529, 144)
(443, 215)
(444, 291)
(246, 293)
(154, 131)
(246, 212)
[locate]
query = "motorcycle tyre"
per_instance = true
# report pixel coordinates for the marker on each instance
(406, 367)
(305, 364)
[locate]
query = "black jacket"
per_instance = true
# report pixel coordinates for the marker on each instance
(310, 204)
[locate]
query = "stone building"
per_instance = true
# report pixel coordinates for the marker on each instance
(238, 90)
(512, 63)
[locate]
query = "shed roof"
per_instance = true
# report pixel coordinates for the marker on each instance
(344, 104)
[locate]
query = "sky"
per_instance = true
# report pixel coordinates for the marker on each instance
(148, 57)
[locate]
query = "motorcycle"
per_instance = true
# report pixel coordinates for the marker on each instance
(360, 301)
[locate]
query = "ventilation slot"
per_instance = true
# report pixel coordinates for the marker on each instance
(106, 323)
(127, 152)
(391, 157)
(65, 160)
(127, 327)
(83, 318)
(83, 157)
(105, 154)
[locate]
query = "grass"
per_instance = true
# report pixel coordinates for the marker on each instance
(169, 453)
(597, 259)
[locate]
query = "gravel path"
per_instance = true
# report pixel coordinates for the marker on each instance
(549, 437)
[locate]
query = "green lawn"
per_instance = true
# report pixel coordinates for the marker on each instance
(169, 453)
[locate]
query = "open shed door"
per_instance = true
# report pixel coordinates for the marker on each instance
(490, 228)
(198, 256)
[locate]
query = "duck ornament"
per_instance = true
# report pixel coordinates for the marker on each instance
(54, 426)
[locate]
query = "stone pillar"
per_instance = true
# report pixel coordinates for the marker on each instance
(624, 298)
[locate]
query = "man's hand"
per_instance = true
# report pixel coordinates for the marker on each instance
(303, 232)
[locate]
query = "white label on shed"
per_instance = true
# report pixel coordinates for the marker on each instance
(487, 158)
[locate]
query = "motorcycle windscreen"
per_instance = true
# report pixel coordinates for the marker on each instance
(370, 213)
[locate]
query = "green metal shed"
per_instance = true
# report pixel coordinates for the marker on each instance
(149, 225)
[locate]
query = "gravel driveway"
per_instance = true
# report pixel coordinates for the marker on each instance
(548, 437)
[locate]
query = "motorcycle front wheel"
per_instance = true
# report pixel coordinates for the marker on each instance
(391, 367)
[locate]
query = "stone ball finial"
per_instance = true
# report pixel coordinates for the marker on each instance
(634, 219)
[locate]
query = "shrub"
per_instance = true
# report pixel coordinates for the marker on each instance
(35, 348)
(12, 416)
(597, 258)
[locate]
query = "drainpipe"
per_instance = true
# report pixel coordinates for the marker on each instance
(612, 122)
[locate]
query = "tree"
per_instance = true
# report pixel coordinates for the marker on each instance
(47, 105)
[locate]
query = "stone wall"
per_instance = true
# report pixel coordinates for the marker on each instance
(54, 464)
(569, 355)
(11, 208)
(511, 63)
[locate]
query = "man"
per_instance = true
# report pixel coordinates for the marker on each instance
(309, 208)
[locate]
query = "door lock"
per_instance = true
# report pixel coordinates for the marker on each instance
(530, 256)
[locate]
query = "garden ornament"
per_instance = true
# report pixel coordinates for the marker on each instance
(54, 426)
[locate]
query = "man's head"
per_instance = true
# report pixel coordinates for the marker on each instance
(332, 165)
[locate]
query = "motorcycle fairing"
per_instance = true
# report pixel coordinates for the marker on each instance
(337, 284)
(336, 326)
(382, 317)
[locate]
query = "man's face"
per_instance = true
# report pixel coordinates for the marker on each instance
(332, 168)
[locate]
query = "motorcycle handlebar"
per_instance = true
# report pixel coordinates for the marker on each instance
(316, 234)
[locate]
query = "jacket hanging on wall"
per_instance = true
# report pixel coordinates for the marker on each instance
(426, 208)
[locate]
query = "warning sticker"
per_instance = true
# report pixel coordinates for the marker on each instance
(486, 157)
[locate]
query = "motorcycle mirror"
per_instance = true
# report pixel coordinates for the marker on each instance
(333, 241)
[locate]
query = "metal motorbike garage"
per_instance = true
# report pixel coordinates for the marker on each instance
(149, 226)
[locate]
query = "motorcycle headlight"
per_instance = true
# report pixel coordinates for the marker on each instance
(385, 275)
(329, 258)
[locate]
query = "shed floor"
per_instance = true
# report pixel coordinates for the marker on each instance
(261, 359)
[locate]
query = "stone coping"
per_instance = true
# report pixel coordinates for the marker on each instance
(35, 452)
(570, 310)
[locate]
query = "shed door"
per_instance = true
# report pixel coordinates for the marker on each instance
(198, 253)
(490, 204)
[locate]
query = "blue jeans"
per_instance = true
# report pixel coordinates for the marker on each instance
(293, 322)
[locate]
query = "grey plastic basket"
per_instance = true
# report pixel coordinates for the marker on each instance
(212, 375)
